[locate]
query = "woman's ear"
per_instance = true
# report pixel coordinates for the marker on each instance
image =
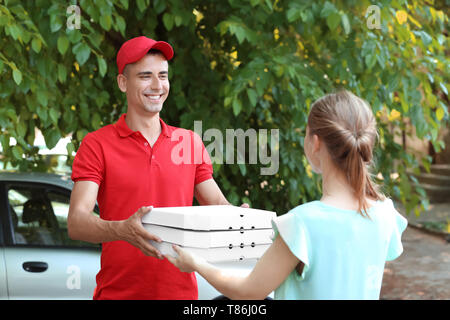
(122, 82)
(315, 154)
(316, 143)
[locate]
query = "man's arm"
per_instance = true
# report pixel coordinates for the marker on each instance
(83, 225)
(209, 193)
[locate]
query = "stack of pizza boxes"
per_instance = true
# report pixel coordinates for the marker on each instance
(217, 233)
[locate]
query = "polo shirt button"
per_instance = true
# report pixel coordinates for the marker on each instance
(153, 157)
(146, 144)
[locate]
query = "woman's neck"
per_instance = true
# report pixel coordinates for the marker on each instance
(336, 191)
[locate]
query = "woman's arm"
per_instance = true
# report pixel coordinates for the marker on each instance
(270, 271)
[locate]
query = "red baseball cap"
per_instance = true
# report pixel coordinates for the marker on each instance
(135, 49)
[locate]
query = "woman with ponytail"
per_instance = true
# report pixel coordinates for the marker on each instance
(335, 247)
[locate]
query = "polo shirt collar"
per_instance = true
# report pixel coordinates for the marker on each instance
(124, 131)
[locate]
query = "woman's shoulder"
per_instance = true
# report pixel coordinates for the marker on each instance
(304, 211)
(305, 207)
(387, 210)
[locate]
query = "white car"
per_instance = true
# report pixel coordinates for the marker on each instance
(38, 260)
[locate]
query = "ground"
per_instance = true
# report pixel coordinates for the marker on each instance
(422, 271)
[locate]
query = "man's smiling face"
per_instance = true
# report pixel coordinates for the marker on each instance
(146, 83)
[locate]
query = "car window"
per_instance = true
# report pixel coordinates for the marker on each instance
(39, 217)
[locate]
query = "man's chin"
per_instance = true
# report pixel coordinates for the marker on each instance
(153, 108)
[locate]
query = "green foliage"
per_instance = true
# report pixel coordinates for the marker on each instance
(238, 64)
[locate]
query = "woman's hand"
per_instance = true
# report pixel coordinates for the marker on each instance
(185, 261)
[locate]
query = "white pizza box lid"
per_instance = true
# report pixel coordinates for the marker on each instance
(219, 254)
(210, 239)
(215, 217)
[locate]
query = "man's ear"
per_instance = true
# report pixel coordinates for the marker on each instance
(122, 82)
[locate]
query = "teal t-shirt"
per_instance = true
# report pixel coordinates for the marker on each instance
(343, 252)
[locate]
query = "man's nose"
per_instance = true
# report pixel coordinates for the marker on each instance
(156, 84)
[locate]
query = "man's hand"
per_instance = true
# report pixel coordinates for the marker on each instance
(245, 205)
(132, 231)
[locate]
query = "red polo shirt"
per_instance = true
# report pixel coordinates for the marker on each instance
(131, 174)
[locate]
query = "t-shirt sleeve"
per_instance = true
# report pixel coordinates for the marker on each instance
(204, 169)
(88, 164)
(395, 247)
(295, 234)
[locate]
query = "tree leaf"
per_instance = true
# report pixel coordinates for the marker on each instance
(124, 3)
(95, 122)
(55, 23)
(70, 148)
(242, 168)
(168, 21)
(333, 20)
(141, 5)
(62, 44)
(54, 116)
(269, 5)
(42, 113)
(178, 20)
(21, 129)
(51, 137)
(159, 6)
(42, 97)
(237, 106)
(252, 96)
(17, 76)
(17, 152)
(106, 21)
(82, 52)
(370, 60)
(62, 73)
(426, 39)
(102, 67)
(444, 88)
(81, 134)
(346, 24)
(121, 24)
(327, 9)
(293, 14)
(440, 114)
(15, 31)
(36, 45)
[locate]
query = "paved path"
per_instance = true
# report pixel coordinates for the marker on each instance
(422, 271)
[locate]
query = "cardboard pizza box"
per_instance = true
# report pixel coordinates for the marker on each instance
(216, 217)
(219, 254)
(210, 239)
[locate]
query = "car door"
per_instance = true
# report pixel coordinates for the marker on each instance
(3, 288)
(41, 261)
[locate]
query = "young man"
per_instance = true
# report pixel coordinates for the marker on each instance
(127, 167)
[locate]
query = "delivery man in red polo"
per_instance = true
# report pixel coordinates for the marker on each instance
(127, 168)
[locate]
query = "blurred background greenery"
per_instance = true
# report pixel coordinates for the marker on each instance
(238, 64)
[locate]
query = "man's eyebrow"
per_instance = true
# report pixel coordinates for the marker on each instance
(145, 73)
